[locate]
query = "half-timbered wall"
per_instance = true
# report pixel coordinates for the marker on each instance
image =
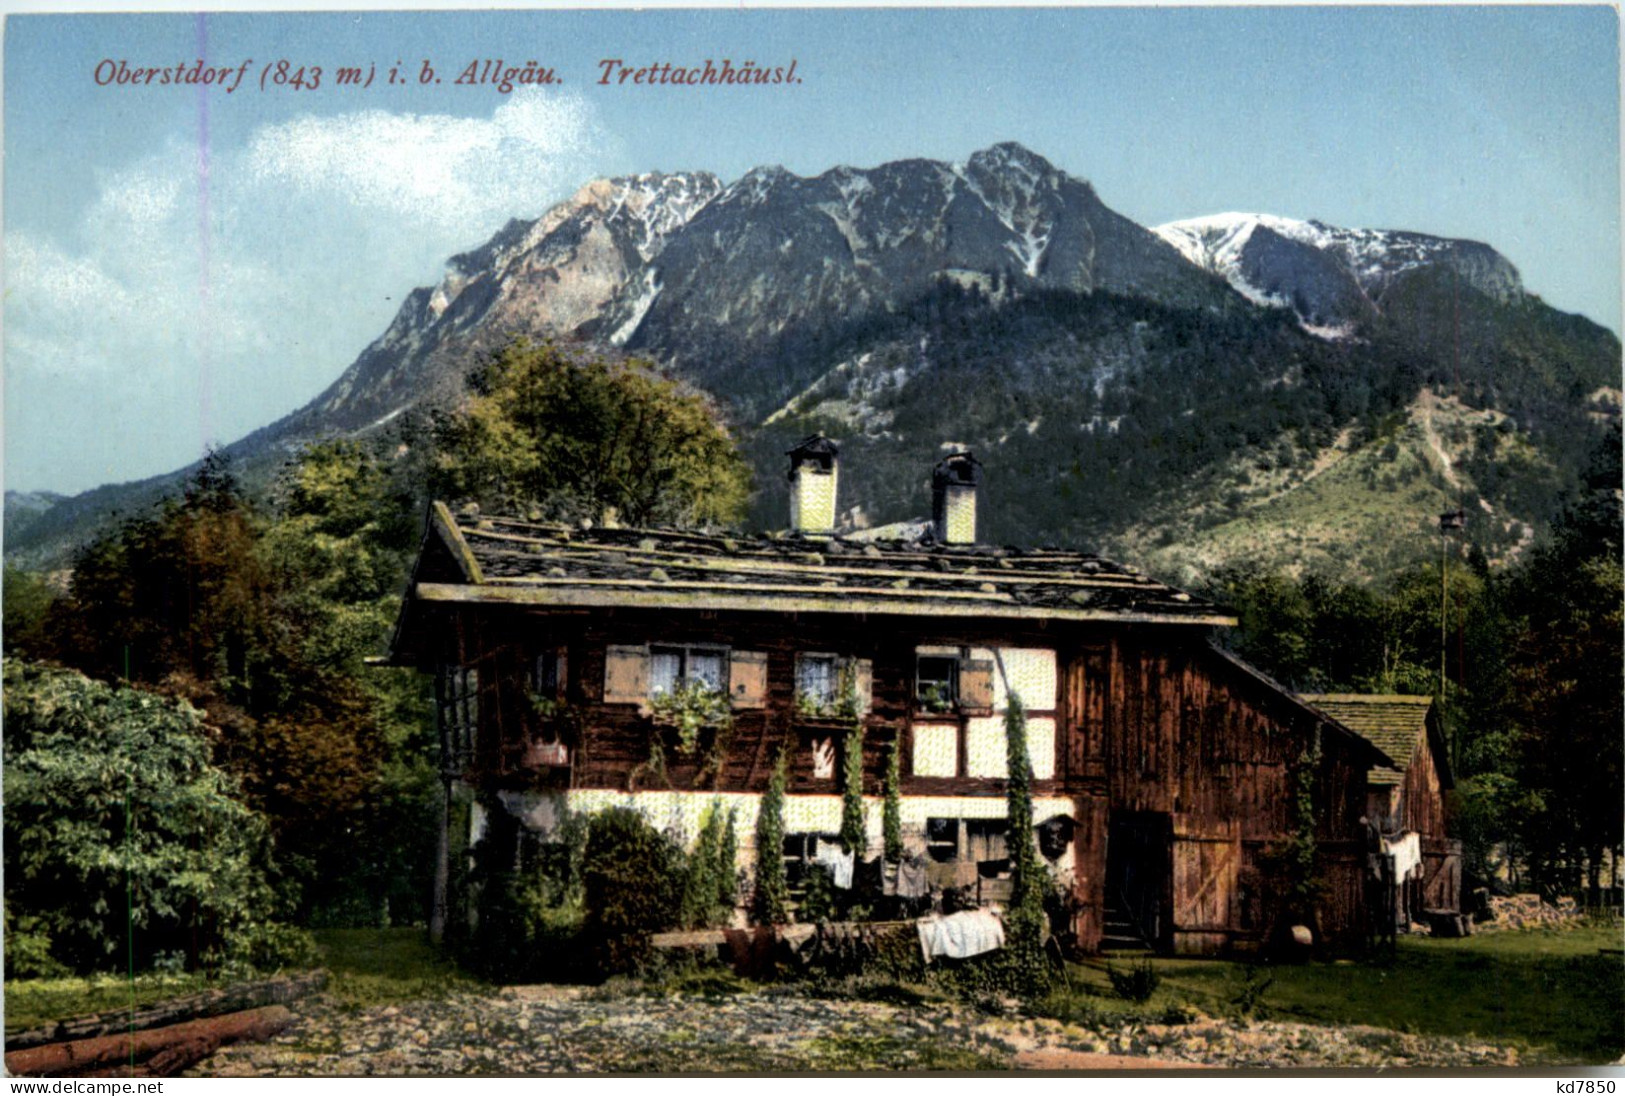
(1143, 721)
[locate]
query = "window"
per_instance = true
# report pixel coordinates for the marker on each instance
(801, 851)
(981, 841)
(457, 690)
(635, 674)
(823, 681)
(942, 839)
(671, 666)
(817, 682)
(950, 678)
(987, 844)
(547, 675)
(936, 682)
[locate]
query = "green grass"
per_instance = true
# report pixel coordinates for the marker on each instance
(382, 966)
(368, 967)
(35, 1002)
(1550, 993)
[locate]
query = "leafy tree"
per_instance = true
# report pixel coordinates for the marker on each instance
(708, 888)
(564, 436)
(28, 601)
(179, 590)
(1275, 620)
(263, 615)
(1567, 672)
(345, 525)
(123, 843)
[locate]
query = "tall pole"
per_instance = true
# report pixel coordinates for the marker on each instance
(1443, 604)
(1451, 519)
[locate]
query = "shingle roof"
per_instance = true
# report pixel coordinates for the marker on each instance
(1394, 724)
(509, 560)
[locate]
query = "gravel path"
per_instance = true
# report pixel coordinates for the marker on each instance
(551, 1029)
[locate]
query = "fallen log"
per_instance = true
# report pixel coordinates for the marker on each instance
(215, 1002)
(155, 1052)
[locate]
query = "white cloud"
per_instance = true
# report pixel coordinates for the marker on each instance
(194, 303)
(457, 171)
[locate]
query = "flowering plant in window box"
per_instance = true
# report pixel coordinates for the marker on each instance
(693, 707)
(935, 698)
(555, 727)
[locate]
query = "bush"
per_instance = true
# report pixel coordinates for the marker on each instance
(1137, 983)
(632, 880)
(123, 842)
(267, 946)
(28, 949)
(818, 901)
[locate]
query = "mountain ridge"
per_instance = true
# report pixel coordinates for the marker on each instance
(842, 300)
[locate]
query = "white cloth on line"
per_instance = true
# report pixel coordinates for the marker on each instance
(1406, 850)
(960, 935)
(838, 861)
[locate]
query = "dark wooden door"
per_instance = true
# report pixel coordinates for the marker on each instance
(1138, 872)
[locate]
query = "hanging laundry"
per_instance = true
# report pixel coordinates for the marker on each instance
(912, 881)
(1406, 850)
(960, 935)
(838, 861)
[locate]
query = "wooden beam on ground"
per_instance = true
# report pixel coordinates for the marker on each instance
(198, 1006)
(156, 1052)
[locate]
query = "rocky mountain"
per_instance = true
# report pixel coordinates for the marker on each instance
(1334, 279)
(703, 276)
(550, 276)
(1124, 385)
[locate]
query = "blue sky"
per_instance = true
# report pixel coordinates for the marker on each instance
(185, 265)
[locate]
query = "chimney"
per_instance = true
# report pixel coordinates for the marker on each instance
(953, 498)
(812, 486)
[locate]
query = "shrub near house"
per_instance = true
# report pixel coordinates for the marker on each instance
(124, 845)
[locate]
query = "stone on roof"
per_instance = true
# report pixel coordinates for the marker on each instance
(538, 563)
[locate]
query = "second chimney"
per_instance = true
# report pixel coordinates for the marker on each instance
(812, 486)
(953, 498)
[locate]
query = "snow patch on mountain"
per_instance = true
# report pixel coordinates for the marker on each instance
(649, 289)
(1255, 253)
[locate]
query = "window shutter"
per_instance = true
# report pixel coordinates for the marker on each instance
(747, 679)
(626, 674)
(863, 675)
(976, 685)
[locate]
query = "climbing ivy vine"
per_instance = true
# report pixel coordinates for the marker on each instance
(892, 812)
(693, 708)
(772, 898)
(1024, 918)
(854, 835)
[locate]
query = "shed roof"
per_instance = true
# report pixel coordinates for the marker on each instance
(534, 563)
(1394, 724)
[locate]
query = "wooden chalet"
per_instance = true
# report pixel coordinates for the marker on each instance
(1405, 804)
(1163, 768)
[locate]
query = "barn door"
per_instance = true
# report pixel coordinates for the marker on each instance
(1207, 870)
(1137, 878)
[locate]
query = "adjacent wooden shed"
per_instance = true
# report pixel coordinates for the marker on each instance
(1407, 797)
